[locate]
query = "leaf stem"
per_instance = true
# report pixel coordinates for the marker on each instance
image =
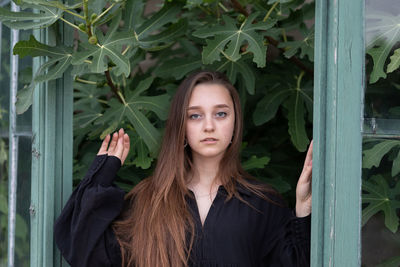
(74, 14)
(71, 24)
(299, 78)
(270, 11)
(86, 10)
(205, 10)
(223, 7)
(284, 35)
(122, 97)
(113, 87)
(85, 81)
(86, 16)
(125, 50)
(103, 13)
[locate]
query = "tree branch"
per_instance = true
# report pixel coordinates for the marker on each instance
(294, 59)
(239, 8)
(112, 85)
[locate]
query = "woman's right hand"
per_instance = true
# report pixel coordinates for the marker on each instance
(119, 146)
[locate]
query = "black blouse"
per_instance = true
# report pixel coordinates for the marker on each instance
(233, 234)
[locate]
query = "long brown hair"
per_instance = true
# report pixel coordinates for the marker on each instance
(153, 230)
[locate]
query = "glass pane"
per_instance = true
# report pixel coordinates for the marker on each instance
(381, 144)
(23, 132)
(381, 202)
(382, 35)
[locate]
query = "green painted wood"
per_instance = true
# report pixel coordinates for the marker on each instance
(51, 159)
(339, 61)
(38, 145)
(318, 183)
(64, 88)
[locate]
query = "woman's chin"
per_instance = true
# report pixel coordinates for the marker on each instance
(209, 153)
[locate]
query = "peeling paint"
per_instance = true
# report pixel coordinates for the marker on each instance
(350, 47)
(335, 56)
(35, 153)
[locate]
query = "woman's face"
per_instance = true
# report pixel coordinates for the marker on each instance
(210, 121)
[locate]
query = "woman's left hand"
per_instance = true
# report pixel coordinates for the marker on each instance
(303, 189)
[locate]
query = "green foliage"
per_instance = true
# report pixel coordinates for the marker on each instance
(127, 63)
(254, 162)
(381, 189)
(98, 52)
(380, 197)
(28, 20)
(394, 61)
(294, 99)
(306, 46)
(229, 38)
(59, 60)
(392, 262)
(373, 156)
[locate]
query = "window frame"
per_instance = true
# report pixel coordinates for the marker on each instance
(338, 98)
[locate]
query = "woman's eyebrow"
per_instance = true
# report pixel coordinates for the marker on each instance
(222, 106)
(216, 106)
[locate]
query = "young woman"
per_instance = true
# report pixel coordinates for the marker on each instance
(199, 208)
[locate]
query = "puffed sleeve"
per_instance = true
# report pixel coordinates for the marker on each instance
(287, 241)
(82, 232)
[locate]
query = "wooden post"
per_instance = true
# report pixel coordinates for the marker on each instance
(51, 156)
(339, 70)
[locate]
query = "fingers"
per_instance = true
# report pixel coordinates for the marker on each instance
(310, 150)
(104, 145)
(119, 148)
(119, 145)
(306, 175)
(309, 154)
(127, 145)
(308, 160)
(304, 186)
(113, 143)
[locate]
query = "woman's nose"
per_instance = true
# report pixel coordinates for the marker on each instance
(209, 124)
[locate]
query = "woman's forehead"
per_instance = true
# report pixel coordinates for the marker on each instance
(205, 95)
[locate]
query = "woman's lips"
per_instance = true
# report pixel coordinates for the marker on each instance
(209, 140)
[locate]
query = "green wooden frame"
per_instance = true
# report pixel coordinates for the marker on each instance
(52, 147)
(339, 72)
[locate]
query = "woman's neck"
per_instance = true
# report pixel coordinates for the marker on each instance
(204, 174)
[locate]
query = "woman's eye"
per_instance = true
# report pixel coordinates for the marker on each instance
(194, 116)
(221, 114)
